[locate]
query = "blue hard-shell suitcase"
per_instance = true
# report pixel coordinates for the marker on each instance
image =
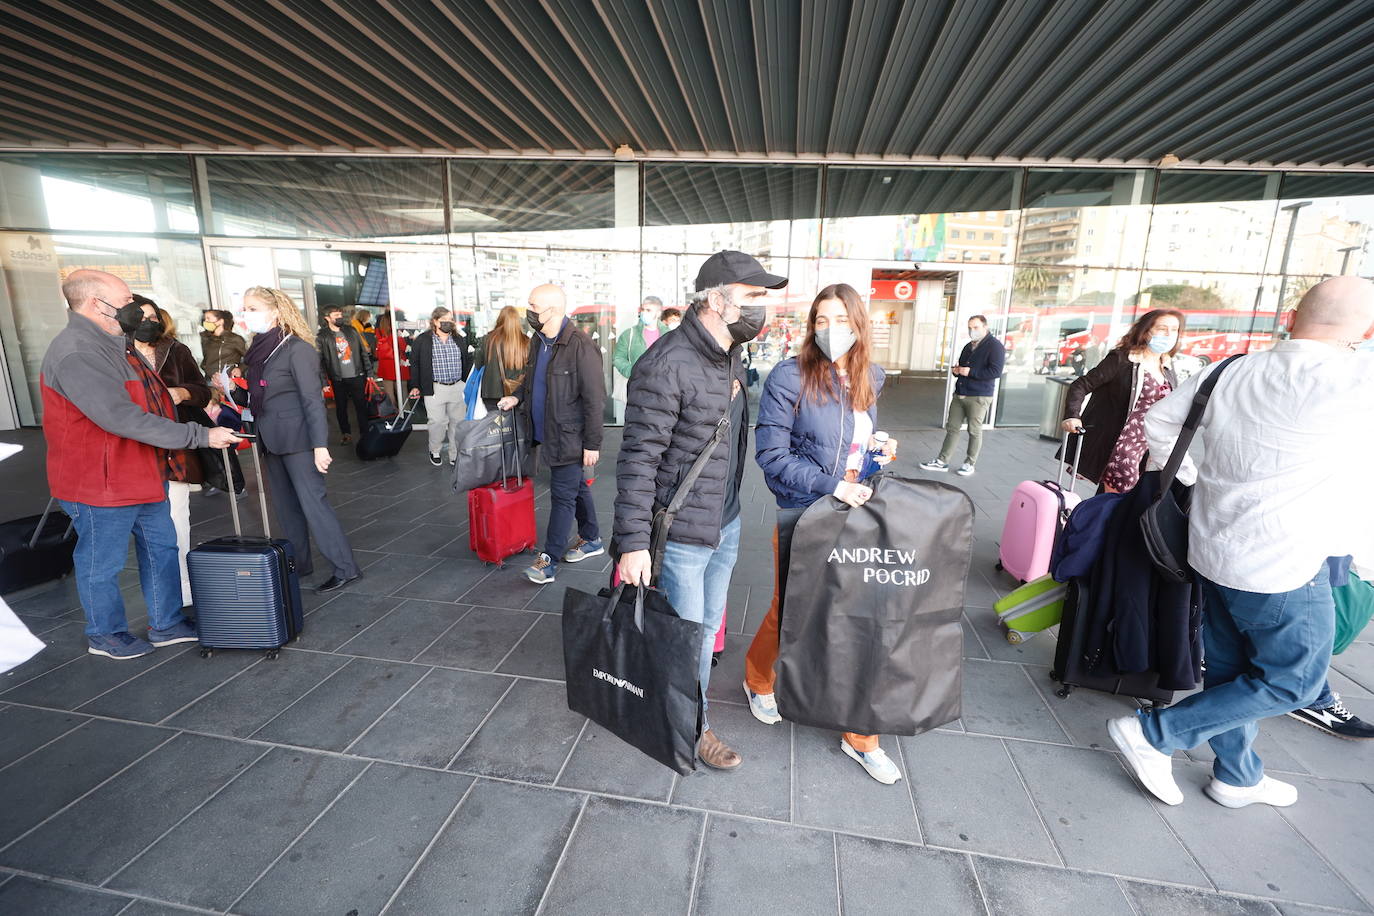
(246, 590)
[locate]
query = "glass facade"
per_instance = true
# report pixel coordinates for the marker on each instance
(1059, 260)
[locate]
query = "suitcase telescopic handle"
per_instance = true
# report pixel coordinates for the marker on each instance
(233, 497)
(43, 523)
(1064, 466)
(514, 449)
(262, 488)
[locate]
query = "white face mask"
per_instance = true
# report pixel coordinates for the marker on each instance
(257, 322)
(977, 333)
(835, 342)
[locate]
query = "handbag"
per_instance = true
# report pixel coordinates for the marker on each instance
(379, 405)
(1165, 522)
(630, 665)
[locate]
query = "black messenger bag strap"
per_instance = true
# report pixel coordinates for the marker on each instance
(663, 518)
(1190, 425)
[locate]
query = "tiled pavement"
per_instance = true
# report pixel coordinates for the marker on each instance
(413, 753)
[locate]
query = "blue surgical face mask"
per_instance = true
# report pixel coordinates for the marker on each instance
(1163, 343)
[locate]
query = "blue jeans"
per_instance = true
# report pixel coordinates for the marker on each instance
(570, 497)
(1326, 699)
(1266, 655)
(696, 580)
(102, 544)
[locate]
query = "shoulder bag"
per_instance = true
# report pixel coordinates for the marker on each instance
(1165, 522)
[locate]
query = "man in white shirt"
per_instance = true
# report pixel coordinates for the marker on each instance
(1281, 486)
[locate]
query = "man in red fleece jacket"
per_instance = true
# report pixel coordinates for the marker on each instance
(110, 425)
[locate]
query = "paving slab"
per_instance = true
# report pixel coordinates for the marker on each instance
(879, 878)
(540, 652)
(357, 854)
(1019, 889)
(833, 791)
(84, 843)
(22, 894)
(1099, 818)
(250, 701)
(999, 699)
(84, 678)
(758, 787)
(970, 796)
(160, 692)
(431, 723)
(446, 581)
(528, 736)
(1337, 818)
(800, 877)
(1161, 900)
(341, 619)
(407, 630)
(214, 855)
(22, 730)
(601, 762)
(340, 709)
(480, 640)
(664, 840)
(57, 774)
(497, 853)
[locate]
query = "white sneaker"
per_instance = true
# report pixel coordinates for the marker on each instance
(934, 464)
(1266, 792)
(965, 470)
(876, 762)
(1153, 768)
(763, 706)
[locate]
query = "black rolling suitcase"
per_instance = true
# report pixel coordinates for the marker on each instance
(1075, 665)
(246, 590)
(383, 438)
(35, 549)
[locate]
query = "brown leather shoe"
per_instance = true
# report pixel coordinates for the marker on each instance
(716, 754)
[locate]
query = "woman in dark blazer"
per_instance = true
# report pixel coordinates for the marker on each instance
(1128, 381)
(287, 404)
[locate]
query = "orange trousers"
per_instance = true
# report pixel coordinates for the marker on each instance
(763, 655)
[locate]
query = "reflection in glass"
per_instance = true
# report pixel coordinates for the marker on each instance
(531, 204)
(1227, 313)
(378, 199)
(171, 273)
(1212, 221)
(1090, 217)
(914, 214)
(707, 208)
(100, 193)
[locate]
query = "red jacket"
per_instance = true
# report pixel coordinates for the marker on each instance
(104, 447)
(386, 365)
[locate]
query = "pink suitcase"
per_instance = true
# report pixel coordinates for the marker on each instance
(1035, 517)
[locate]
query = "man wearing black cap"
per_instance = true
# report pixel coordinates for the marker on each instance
(686, 397)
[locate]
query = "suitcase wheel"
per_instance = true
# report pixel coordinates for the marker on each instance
(272, 654)
(1016, 637)
(206, 652)
(1054, 675)
(1064, 691)
(715, 658)
(999, 566)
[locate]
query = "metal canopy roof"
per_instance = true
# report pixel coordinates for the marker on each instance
(1252, 82)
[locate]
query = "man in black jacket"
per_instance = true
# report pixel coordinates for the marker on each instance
(980, 366)
(686, 397)
(564, 392)
(346, 361)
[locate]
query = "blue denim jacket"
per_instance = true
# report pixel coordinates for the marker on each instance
(802, 446)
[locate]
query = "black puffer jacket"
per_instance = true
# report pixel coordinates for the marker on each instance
(678, 391)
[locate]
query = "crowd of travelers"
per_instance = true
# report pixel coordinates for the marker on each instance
(1279, 491)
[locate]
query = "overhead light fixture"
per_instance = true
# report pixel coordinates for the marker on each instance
(1168, 161)
(623, 153)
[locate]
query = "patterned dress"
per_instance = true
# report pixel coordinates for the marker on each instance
(1123, 470)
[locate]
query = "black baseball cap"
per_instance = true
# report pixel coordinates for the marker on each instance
(736, 267)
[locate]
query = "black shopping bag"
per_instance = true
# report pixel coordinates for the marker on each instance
(631, 667)
(489, 450)
(871, 641)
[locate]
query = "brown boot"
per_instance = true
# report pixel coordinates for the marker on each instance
(716, 754)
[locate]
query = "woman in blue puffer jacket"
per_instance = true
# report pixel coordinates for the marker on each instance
(817, 416)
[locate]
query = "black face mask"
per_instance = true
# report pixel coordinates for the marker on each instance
(129, 315)
(447, 327)
(148, 330)
(533, 318)
(752, 318)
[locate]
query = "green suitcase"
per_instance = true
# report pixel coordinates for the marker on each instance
(1035, 606)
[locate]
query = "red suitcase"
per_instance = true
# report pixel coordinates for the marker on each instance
(501, 519)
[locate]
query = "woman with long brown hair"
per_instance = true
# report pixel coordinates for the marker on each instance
(817, 417)
(1126, 384)
(503, 353)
